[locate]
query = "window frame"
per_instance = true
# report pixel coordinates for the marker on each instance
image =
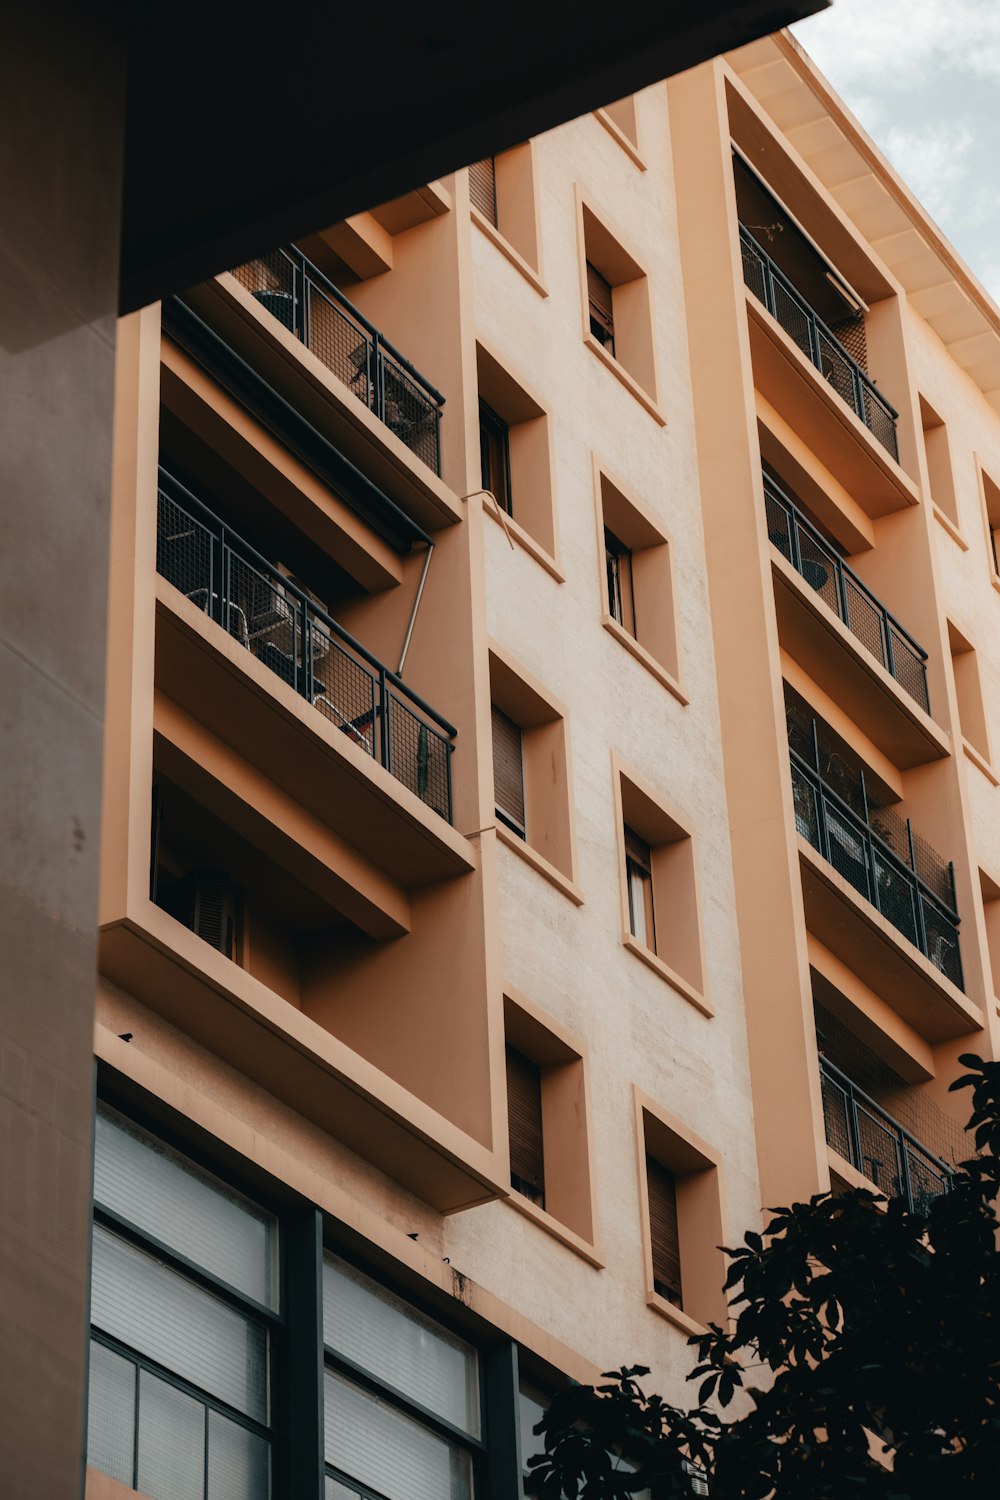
(648, 628)
(698, 1176)
(494, 456)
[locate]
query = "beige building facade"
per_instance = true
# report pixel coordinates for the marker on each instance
(549, 798)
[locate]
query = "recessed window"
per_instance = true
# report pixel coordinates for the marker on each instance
(502, 194)
(530, 770)
(939, 468)
(682, 1216)
(990, 889)
(547, 1117)
(664, 1236)
(618, 318)
(638, 580)
(494, 454)
(660, 887)
(508, 771)
(524, 1120)
(514, 450)
(639, 876)
(969, 692)
(991, 505)
(621, 595)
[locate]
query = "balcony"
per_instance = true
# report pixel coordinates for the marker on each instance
(840, 588)
(861, 1132)
(872, 847)
(817, 342)
(290, 633)
(303, 300)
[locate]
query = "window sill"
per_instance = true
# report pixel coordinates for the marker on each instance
(630, 384)
(642, 656)
(538, 862)
(617, 134)
(695, 997)
(517, 533)
(506, 249)
(949, 527)
(675, 1315)
(556, 1228)
(980, 762)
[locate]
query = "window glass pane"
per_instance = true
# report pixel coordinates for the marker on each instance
(531, 1407)
(392, 1453)
(385, 1336)
(239, 1462)
(171, 1442)
(163, 1315)
(110, 1414)
(163, 1194)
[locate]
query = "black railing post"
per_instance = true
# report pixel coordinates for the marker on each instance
(383, 713)
(841, 576)
(906, 1189)
(219, 584)
(796, 546)
(378, 379)
(853, 1130)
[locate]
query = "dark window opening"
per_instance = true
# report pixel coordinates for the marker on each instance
(483, 188)
(664, 1237)
(524, 1114)
(621, 594)
(508, 772)
(639, 875)
(602, 322)
(494, 453)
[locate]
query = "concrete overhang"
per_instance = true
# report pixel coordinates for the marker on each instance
(249, 126)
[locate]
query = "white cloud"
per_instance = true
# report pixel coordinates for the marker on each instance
(935, 161)
(900, 44)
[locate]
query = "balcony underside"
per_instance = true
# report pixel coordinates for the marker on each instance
(834, 658)
(813, 409)
(269, 1041)
(241, 702)
(332, 407)
(873, 949)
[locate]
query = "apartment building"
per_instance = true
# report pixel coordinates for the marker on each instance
(549, 800)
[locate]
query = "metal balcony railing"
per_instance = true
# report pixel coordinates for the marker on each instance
(867, 860)
(878, 1147)
(297, 293)
(295, 637)
(771, 286)
(841, 590)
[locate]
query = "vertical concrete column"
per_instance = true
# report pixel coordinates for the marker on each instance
(784, 1075)
(61, 129)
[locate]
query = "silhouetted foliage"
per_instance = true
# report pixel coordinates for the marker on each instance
(863, 1359)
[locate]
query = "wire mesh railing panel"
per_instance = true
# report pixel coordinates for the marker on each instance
(865, 619)
(340, 344)
(754, 272)
(779, 523)
(927, 1180)
(838, 370)
(848, 849)
(794, 318)
(419, 756)
(879, 1151)
(942, 942)
(850, 334)
(897, 898)
(184, 551)
(879, 420)
(408, 412)
(908, 667)
(818, 565)
(272, 278)
(836, 1117)
(343, 689)
(805, 802)
(933, 871)
(265, 619)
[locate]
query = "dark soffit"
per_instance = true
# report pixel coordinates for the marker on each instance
(253, 124)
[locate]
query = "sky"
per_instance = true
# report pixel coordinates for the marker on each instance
(923, 78)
